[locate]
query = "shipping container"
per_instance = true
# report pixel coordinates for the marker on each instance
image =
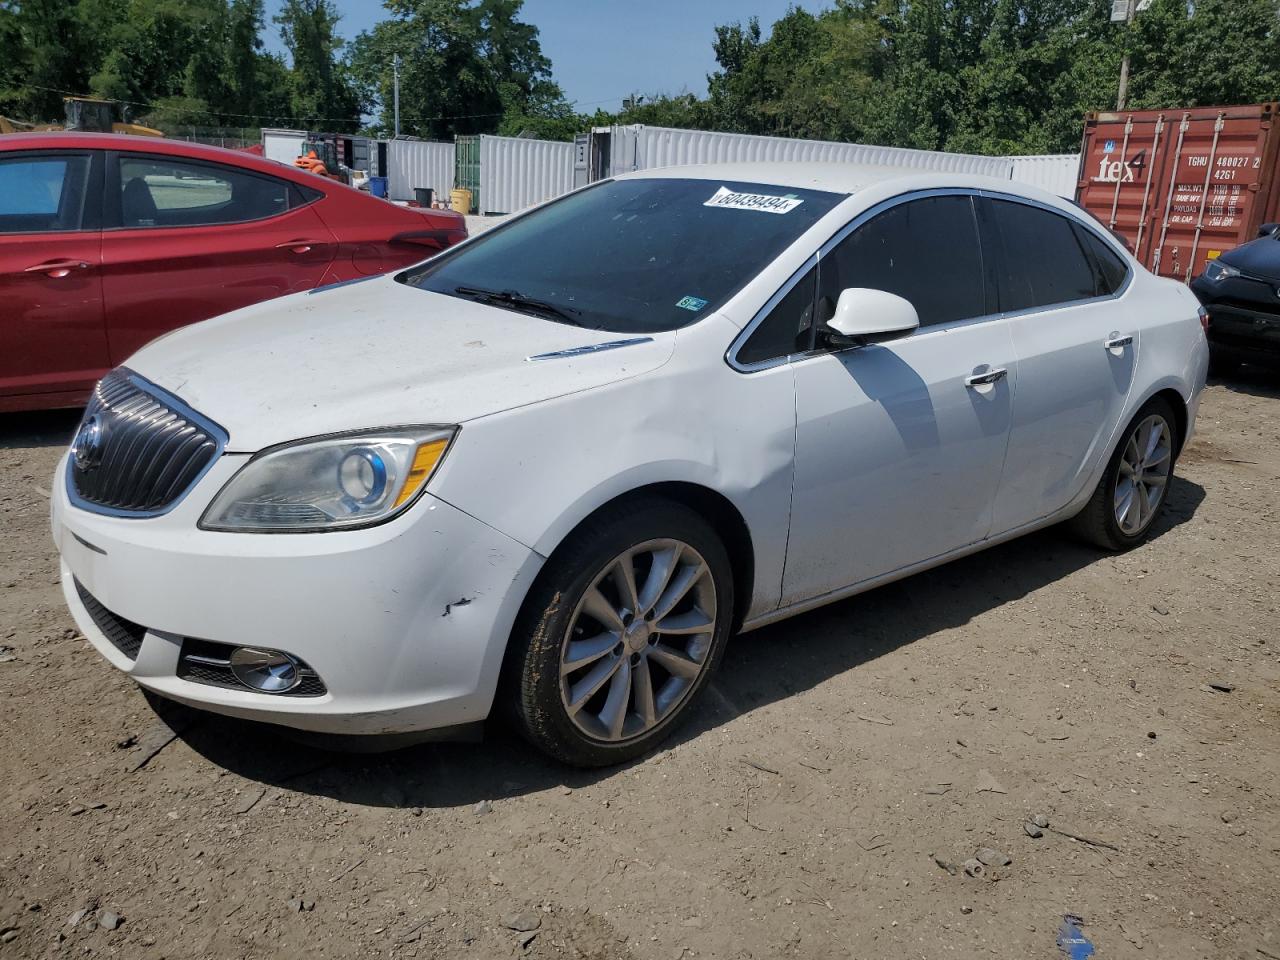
(1055, 172)
(282, 146)
(412, 164)
(1182, 186)
(622, 149)
(466, 169)
(516, 173)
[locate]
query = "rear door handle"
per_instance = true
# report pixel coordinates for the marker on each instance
(984, 379)
(57, 268)
(299, 246)
(1117, 342)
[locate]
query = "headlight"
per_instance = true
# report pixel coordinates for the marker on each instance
(1216, 270)
(330, 484)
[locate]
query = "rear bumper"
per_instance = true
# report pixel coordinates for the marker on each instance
(405, 623)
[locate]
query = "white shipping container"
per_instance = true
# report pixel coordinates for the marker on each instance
(419, 163)
(282, 146)
(1055, 172)
(516, 173)
(640, 147)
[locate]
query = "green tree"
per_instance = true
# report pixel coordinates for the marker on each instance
(467, 66)
(321, 92)
(45, 52)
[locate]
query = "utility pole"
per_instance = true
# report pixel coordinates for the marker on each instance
(395, 67)
(1122, 92)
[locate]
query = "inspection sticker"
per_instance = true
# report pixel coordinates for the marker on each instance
(691, 303)
(728, 199)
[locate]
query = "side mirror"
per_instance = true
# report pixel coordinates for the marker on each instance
(1269, 230)
(866, 316)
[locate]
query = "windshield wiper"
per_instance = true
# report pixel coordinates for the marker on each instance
(513, 298)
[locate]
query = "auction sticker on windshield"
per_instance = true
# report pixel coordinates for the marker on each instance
(760, 202)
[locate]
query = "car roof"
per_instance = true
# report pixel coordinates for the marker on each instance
(67, 140)
(848, 178)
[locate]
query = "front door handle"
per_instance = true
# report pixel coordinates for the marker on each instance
(985, 379)
(1117, 342)
(57, 268)
(298, 246)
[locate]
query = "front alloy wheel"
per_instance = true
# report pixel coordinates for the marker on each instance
(638, 640)
(620, 633)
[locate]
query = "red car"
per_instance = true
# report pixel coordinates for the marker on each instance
(108, 241)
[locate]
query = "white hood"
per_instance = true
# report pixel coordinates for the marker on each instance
(375, 354)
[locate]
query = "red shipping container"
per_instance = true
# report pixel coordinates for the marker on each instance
(1182, 186)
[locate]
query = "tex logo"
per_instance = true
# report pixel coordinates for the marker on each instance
(1118, 171)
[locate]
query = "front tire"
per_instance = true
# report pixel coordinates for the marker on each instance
(621, 633)
(1135, 485)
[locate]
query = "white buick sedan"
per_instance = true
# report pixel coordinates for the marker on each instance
(552, 470)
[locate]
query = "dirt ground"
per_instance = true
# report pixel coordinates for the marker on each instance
(842, 766)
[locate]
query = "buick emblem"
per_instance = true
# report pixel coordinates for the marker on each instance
(87, 446)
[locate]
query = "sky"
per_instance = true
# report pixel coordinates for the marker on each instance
(604, 50)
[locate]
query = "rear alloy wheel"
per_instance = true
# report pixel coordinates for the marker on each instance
(1135, 485)
(1146, 463)
(621, 633)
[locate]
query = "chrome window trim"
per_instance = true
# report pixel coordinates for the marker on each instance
(731, 354)
(214, 430)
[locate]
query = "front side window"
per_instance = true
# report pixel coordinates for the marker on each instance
(925, 251)
(631, 256)
(1043, 261)
(40, 194)
(163, 192)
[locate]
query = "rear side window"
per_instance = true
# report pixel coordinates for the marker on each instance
(788, 328)
(1044, 262)
(1109, 269)
(163, 192)
(42, 194)
(925, 250)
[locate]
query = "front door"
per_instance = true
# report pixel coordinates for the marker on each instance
(52, 341)
(900, 445)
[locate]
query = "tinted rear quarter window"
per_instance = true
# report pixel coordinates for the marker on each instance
(168, 192)
(925, 250)
(1043, 262)
(1110, 269)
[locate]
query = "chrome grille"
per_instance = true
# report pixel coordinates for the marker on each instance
(138, 450)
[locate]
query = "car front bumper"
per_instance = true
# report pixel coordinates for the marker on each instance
(405, 623)
(1245, 330)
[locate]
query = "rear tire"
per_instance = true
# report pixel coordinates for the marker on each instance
(1135, 486)
(605, 664)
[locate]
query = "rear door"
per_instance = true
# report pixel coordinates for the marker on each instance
(1060, 285)
(188, 239)
(52, 340)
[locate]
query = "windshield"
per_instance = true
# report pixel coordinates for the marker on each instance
(631, 256)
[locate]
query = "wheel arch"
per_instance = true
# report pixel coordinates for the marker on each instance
(718, 510)
(1171, 394)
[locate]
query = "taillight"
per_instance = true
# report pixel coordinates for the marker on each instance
(1204, 319)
